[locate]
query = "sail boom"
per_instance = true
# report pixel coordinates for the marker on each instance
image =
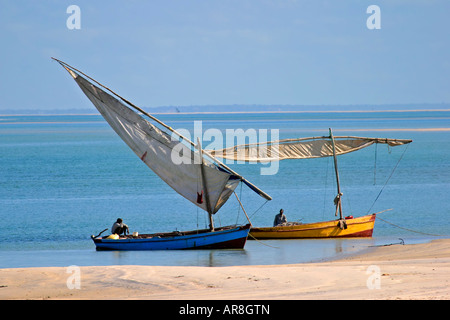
(73, 72)
(301, 148)
(156, 148)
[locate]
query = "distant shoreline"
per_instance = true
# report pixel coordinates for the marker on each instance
(233, 112)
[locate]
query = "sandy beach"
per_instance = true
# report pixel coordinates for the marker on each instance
(417, 271)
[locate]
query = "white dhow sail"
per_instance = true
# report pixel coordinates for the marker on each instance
(203, 183)
(303, 148)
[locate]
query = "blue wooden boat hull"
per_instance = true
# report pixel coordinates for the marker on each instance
(222, 238)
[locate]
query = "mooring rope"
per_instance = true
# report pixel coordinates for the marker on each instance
(402, 242)
(415, 231)
(262, 242)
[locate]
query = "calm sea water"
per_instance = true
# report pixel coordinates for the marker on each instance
(64, 178)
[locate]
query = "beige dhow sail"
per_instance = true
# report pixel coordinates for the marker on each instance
(303, 148)
(154, 147)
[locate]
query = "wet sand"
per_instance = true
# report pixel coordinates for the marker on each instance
(416, 271)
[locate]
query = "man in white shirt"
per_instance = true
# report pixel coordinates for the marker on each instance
(279, 219)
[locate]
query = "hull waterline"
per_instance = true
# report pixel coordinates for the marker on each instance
(355, 228)
(222, 238)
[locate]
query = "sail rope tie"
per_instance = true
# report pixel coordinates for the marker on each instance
(389, 178)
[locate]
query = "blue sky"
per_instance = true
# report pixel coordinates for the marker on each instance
(210, 52)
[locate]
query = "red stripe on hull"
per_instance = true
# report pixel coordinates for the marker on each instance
(232, 244)
(367, 233)
(361, 227)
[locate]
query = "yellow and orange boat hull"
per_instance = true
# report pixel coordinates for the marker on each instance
(356, 227)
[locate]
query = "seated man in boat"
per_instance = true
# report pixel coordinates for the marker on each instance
(119, 227)
(280, 219)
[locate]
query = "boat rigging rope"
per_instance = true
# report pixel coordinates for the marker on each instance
(395, 225)
(239, 207)
(259, 208)
(389, 178)
(325, 196)
(375, 166)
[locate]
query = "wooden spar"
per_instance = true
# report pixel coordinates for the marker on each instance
(205, 188)
(280, 142)
(125, 100)
(240, 203)
(262, 193)
(338, 197)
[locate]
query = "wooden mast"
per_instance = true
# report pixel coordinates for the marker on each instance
(338, 197)
(205, 188)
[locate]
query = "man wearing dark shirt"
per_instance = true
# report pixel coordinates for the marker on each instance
(119, 227)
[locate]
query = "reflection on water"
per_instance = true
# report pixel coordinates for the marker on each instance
(266, 252)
